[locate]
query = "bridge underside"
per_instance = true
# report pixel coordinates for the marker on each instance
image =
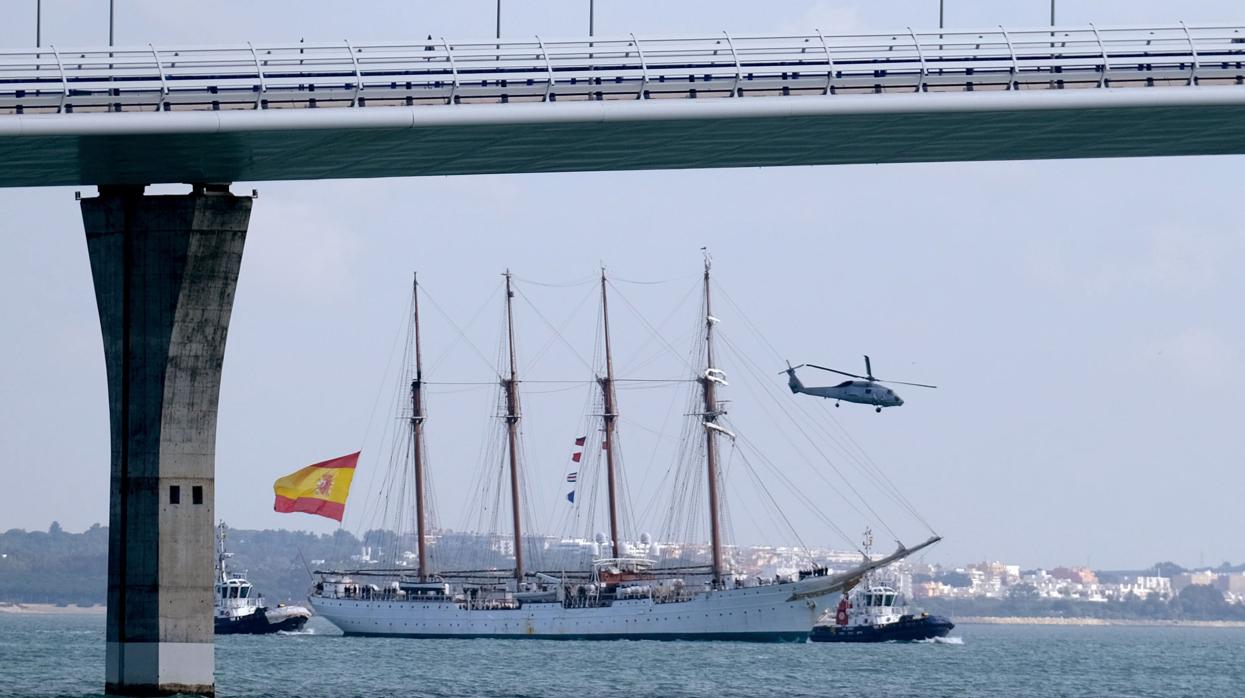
(231, 146)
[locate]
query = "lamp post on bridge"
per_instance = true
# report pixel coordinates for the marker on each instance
(942, 8)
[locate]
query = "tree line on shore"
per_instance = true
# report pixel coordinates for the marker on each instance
(68, 569)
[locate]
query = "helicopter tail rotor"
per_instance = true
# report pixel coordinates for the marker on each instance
(793, 381)
(789, 369)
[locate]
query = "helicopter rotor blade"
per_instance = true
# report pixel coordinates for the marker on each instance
(791, 368)
(835, 370)
(868, 369)
(918, 385)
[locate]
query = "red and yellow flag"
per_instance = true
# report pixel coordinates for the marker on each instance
(317, 489)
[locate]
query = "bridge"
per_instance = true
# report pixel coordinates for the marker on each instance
(165, 267)
(308, 111)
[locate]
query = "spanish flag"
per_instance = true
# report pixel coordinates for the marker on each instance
(317, 489)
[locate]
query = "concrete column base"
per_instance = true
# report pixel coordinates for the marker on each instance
(160, 668)
(165, 270)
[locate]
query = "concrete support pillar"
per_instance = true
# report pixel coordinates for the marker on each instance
(165, 270)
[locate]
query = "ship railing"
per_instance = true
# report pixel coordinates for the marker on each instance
(368, 593)
(408, 576)
(491, 71)
(487, 604)
(623, 562)
(487, 576)
(680, 596)
(496, 599)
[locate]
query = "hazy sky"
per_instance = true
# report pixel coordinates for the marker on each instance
(1081, 317)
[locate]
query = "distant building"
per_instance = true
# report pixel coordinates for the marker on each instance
(364, 556)
(1080, 575)
(1143, 587)
(1205, 578)
(1233, 583)
(931, 590)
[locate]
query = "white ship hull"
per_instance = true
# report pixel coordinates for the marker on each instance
(774, 613)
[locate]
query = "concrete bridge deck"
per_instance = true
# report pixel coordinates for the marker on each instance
(434, 107)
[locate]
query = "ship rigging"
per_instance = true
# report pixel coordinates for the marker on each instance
(619, 594)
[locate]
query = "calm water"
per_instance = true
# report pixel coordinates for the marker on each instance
(64, 656)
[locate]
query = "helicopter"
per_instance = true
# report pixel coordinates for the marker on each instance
(864, 390)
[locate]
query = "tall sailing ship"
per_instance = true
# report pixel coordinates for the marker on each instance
(619, 596)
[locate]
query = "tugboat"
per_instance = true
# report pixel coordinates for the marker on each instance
(878, 615)
(877, 618)
(240, 611)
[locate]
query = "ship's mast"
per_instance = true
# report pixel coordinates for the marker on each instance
(610, 416)
(708, 384)
(221, 555)
(511, 385)
(417, 437)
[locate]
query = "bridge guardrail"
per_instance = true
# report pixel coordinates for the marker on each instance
(437, 71)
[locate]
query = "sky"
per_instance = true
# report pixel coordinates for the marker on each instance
(1081, 317)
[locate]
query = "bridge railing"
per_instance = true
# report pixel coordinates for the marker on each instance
(437, 71)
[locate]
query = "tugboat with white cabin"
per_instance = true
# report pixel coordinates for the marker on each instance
(239, 610)
(874, 616)
(878, 613)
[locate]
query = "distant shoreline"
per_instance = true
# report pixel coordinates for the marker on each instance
(1139, 622)
(49, 609)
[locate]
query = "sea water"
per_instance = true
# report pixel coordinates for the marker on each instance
(63, 655)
